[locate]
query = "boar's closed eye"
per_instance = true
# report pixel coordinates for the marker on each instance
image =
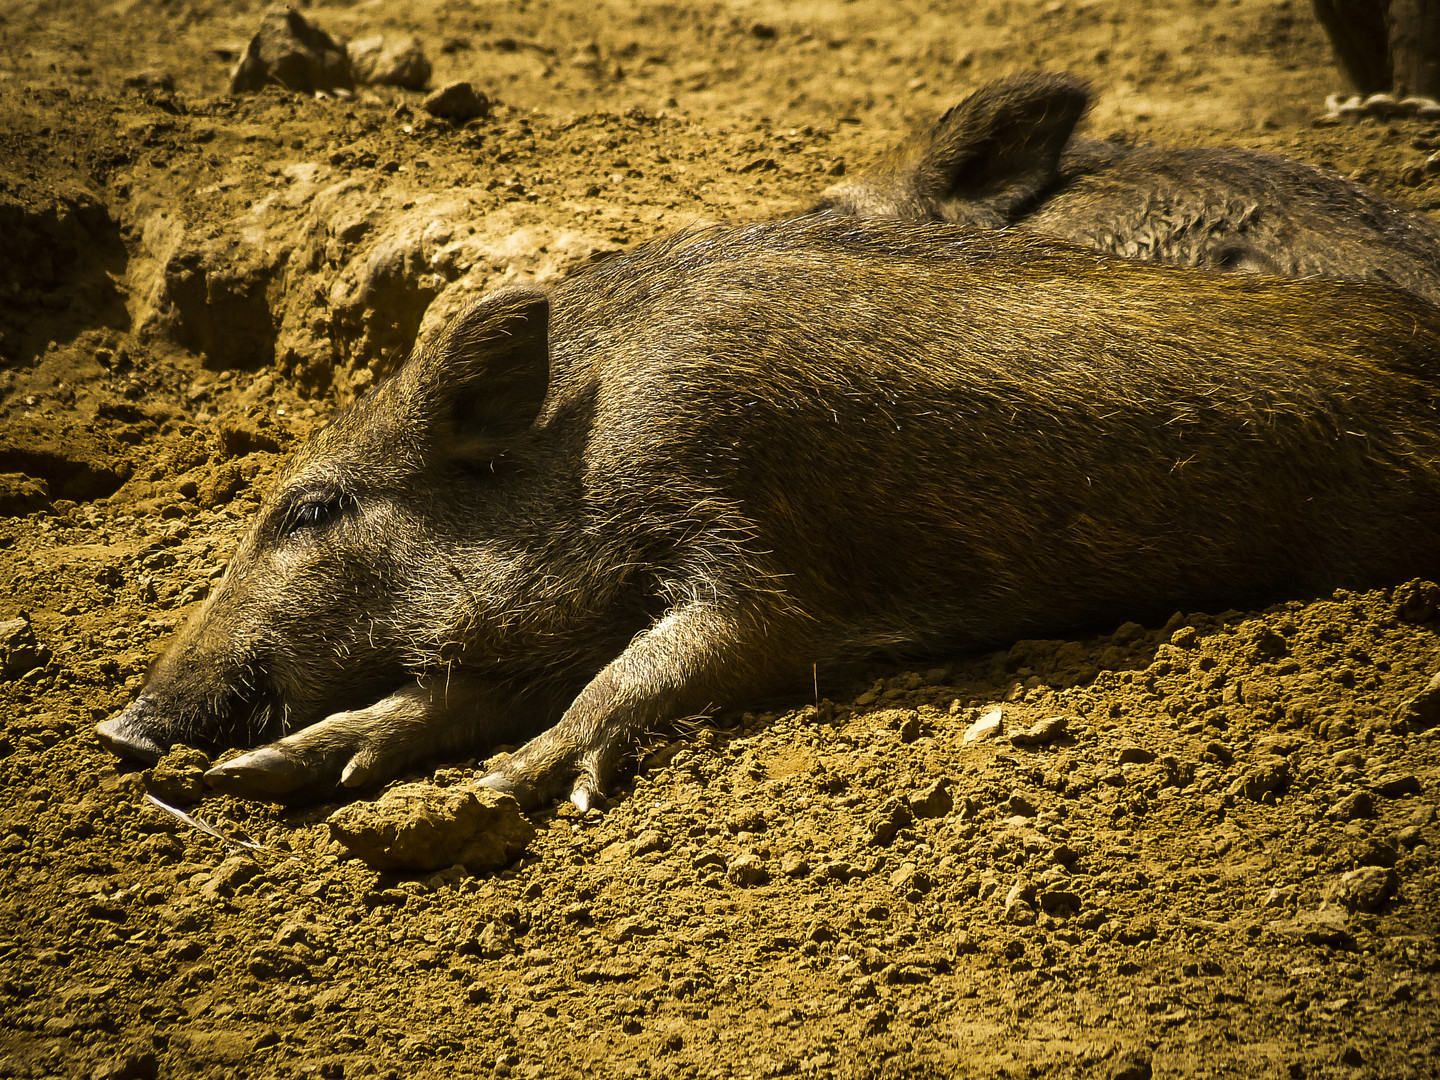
(309, 513)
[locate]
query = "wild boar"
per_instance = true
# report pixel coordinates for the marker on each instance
(684, 476)
(1006, 157)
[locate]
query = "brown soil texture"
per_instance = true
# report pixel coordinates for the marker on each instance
(1224, 865)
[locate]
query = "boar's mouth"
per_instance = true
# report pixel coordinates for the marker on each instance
(238, 716)
(127, 735)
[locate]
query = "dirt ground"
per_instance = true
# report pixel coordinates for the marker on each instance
(1224, 866)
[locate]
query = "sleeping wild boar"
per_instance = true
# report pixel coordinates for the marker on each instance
(681, 478)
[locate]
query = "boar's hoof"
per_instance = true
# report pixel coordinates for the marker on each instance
(266, 773)
(497, 782)
(533, 786)
(122, 740)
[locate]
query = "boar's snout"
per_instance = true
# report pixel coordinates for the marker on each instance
(124, 734)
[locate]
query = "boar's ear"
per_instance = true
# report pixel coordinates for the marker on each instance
(999, 149)
(485, 378)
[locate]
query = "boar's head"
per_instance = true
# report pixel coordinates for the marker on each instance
(348, 583)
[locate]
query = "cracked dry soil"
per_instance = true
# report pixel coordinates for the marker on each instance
(1223, 865)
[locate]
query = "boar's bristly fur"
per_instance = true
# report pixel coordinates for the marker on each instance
(682, 478)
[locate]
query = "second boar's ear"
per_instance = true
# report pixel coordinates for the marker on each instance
(1000, 147)
(488, 374)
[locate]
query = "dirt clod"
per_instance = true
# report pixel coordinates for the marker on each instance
(179, 777)
(421, 827)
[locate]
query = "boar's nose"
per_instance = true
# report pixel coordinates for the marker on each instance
(123, 738)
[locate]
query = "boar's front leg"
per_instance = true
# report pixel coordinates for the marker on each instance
(364, 746)
(698, 657)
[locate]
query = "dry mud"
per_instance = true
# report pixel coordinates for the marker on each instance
(1223, 866)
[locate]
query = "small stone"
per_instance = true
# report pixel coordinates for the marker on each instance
(229, 875)
(1409, 836)
(160, 847)
(1047, 730)
(1368, 887)
(422, 827)
(242, 435)
(1185, 638)
(708, 860)
(1018, 805)
(1395, 785)
(627, 929)
(908, 879)
(494, 940)
(746, 870)
(20, 650)
(1019, 908)
(794, 865)
(1423, 815)
(987, 727)
(1357, 804)
(292, 53)
(819, 932)
(219, 485)
(1263, 783)
(1064, 855)
(457, 102)
(648, 841)
(390, 60)
(1417, 601)
(1280, 745)
(1220, 752)
(1423, 710)
(894, 816)
(1135, 755)
(933, 801)
(1268, 645)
